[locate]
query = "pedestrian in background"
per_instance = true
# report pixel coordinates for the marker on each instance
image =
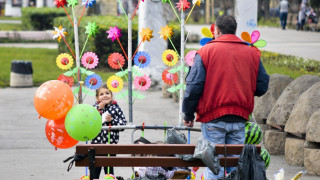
(283, 6)
(221, 85)
(302, 15)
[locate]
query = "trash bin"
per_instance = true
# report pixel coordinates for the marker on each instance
(21, 74)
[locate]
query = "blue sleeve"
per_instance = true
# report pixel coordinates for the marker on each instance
(195, 84)
(262, 81)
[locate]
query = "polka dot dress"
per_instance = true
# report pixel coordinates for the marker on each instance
(117, 120)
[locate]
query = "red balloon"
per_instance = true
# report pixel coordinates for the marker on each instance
(57, 134)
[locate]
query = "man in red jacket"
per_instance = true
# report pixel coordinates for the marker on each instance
(221, 85)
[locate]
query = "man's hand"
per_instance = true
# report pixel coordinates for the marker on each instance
(188, 123)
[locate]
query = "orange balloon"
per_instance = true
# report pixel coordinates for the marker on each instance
(57, 135)
(53, 99)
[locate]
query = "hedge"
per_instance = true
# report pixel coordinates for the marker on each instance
(40, 18)
(100, 44)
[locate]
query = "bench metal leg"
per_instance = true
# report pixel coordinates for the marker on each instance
(92, 154)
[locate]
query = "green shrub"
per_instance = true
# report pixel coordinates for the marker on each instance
(40, 18)
(100, 44)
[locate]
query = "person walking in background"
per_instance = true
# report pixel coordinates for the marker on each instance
(302, 15)
(221, 85)
(283, 6)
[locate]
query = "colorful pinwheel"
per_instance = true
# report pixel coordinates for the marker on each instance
(60, 3)
(142, 59)
(114, 33)
(170, 57)
(89, 60)
(64, 61)
(208, 35)
(190, 57)
(72, 3)
(197, 2)
(93, 81)
(90, 3)
(66, 79)
(142, 83)
(116, 60)
(59, 32)
(91, 29)
(166, 32)
(114, 83)
(254, 40)
(169, 78)
(146, 34)
(183, 4)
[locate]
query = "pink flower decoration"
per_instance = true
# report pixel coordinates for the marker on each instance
(114, 33)
(183, 4)
(190, 57)
(89, 60)
(143, 83)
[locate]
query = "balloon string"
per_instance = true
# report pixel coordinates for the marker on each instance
(122, 48)
(68, 15)
(68, 46)
(82, 13)
(190, 12)
(123, 9)
(135, 10)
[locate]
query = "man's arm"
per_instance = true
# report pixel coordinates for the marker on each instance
(262, 81)
(195, 84)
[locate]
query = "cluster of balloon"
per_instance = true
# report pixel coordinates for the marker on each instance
(57, 134)
(83, 122)
(53, 99)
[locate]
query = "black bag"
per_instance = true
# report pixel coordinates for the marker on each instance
(250, 165)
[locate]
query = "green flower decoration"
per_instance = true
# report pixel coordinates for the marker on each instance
(165, 1)
(72, 3)
(91, 28)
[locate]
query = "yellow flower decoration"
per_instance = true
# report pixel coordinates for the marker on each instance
(115, 83)
(59, 32)
(146, 34)
(166, 32)
(170, 57)
(64, 61)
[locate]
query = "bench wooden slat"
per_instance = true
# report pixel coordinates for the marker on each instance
(103, 161)
(164, 149)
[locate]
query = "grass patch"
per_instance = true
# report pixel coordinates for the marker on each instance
(10, 27)
(9, 18)
(271, 22)
(43, 63)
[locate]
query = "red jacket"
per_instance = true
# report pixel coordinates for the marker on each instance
(231, 76)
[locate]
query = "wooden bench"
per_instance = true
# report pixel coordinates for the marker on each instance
(96, 155)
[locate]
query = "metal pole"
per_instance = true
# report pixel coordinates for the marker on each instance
(130, 67)
(76, 46)
(182, 70)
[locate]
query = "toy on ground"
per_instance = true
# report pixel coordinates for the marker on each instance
(109, 176)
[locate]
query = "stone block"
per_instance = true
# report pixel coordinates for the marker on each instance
(312, 161)
(274, 141)
(313, 133)
(294, 151)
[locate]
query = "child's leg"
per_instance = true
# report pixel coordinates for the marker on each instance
(110, 168)
(96, 173)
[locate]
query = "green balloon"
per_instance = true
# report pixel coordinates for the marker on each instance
(83, 122)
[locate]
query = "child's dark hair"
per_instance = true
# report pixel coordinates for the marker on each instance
(104, 86)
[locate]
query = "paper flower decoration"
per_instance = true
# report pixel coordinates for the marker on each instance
(169, 78)
(143, 83)
(169, 57)
(183, 4)
(116, 60)
(146, 34)
(59, 32)
(90, 3)
(254, 40)
(89, 60)
(115, 83)
(66, 79)
(166, 32)
(114, 33)
(93, 81)
(190, 57)
(198, 2)
(91, 28)
(64, 61)
(72, 3)
(142, 59)
(60, 3)
(208, 35)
